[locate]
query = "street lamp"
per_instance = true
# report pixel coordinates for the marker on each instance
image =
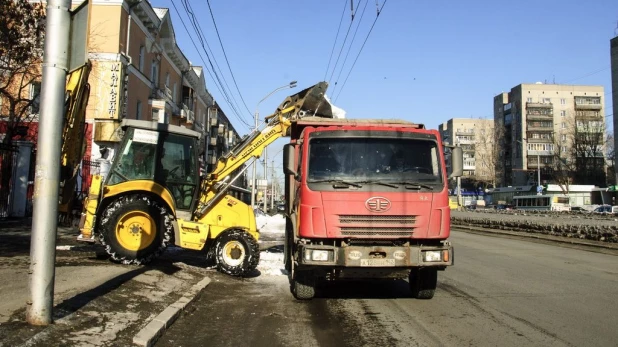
(257, 113)
(538, 164)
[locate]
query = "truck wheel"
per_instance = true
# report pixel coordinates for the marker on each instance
(135, 229)
(237, 253)
(423, 283)
(303, 285)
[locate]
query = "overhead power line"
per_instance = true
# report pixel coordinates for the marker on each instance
(345, 4)
(350, 47)
(226, 59)
(198, 30)
(215, 81)
(342, 46)
(361, 49)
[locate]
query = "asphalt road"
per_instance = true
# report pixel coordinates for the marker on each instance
(501, 291)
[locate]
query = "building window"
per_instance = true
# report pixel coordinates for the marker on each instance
(142, 56)
(174, 93)
(563, 125)
(35, 96)
(138, 110)
(563, 101)
(154, 72)
(546, 100)
(167, 79)
(563, 137)
(529, 100)
(564, 149)
(562, 113)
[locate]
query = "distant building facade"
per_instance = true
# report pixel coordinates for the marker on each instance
(545, 127)
(475, 136)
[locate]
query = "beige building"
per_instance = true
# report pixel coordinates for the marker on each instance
(475, 137)
(543, 126)
(140, 72)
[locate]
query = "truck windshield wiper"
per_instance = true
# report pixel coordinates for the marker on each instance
(378, 182)
(413, 185)
(335, 182)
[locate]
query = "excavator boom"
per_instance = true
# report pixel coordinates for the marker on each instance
(308, 102)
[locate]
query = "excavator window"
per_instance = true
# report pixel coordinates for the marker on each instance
(178, 168)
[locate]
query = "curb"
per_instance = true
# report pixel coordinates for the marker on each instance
(153, 330)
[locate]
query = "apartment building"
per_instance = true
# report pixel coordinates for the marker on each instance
(475, 136)
(614, 64)
(549, 130)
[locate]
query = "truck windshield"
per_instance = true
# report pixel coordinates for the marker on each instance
(366, 160)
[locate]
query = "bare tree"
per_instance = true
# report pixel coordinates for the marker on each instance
(588, 139)
(610, 159)
(487, 154)
(562, 163)
(21, 51)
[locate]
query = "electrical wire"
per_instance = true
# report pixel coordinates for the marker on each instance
(198, 29)
(345, 3)
(219, 87)
(350, 47)
(226, 59)
(361, 50)
(342, 46)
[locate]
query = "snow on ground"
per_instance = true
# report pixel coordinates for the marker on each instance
(271, 262)
(272, 225)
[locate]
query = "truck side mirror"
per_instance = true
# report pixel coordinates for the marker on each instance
(456, 162)
(289, 164)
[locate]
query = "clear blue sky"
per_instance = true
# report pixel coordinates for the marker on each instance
(425, 61)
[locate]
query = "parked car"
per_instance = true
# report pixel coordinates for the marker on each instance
(603, 209)
(578, 209)
(281, 207)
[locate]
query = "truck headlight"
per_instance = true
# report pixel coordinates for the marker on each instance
(430, 256)
(316, 255)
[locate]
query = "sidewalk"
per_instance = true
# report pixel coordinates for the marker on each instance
(96, 302)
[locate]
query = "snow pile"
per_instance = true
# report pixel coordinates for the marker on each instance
(271, 225)
(271, 263)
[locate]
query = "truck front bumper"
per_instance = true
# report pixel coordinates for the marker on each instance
(376, 256)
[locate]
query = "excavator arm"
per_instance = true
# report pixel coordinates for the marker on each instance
(308, 102)
(73, 144)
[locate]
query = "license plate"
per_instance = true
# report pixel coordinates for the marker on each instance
(377, 262)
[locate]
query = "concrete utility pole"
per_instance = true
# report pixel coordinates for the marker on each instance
(272, 184)
(47, 173)
(265, 180)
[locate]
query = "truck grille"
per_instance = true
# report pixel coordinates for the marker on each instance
(364, 219)
(361, 231)
(371, 225)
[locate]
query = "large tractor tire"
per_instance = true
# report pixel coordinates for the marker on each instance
(237, 253)
(135, 229)
(423, 283)
(302, 285)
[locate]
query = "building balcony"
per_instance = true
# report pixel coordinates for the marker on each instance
(588, 106)
(536, 153)
(464, 133)
(465, 142)
(213, 141)
(539, 129)
(469, 167)
(538, 105)
(540, 140)
(536, 116)
(185, 113)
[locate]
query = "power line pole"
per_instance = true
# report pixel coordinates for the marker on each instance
(47, 173)
(265, 180)
(254, 168)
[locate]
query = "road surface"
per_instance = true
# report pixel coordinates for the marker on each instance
(501, 291)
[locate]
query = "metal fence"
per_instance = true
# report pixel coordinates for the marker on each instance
(8, 167)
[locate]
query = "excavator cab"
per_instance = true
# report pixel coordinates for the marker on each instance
(163, 154)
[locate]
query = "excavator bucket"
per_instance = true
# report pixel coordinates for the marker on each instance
(309, 102)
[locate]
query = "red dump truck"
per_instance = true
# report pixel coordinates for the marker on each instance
(366, 199)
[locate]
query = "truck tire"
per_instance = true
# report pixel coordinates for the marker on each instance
(302, 285)
(135, 229)
(423, 283)
(237, 253)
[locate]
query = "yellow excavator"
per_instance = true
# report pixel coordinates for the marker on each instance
(153, 195)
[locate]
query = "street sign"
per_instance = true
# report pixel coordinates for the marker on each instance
(78, 39)
(539, 189)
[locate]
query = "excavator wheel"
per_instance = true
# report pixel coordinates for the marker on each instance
(135, 229)
(237, 253)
